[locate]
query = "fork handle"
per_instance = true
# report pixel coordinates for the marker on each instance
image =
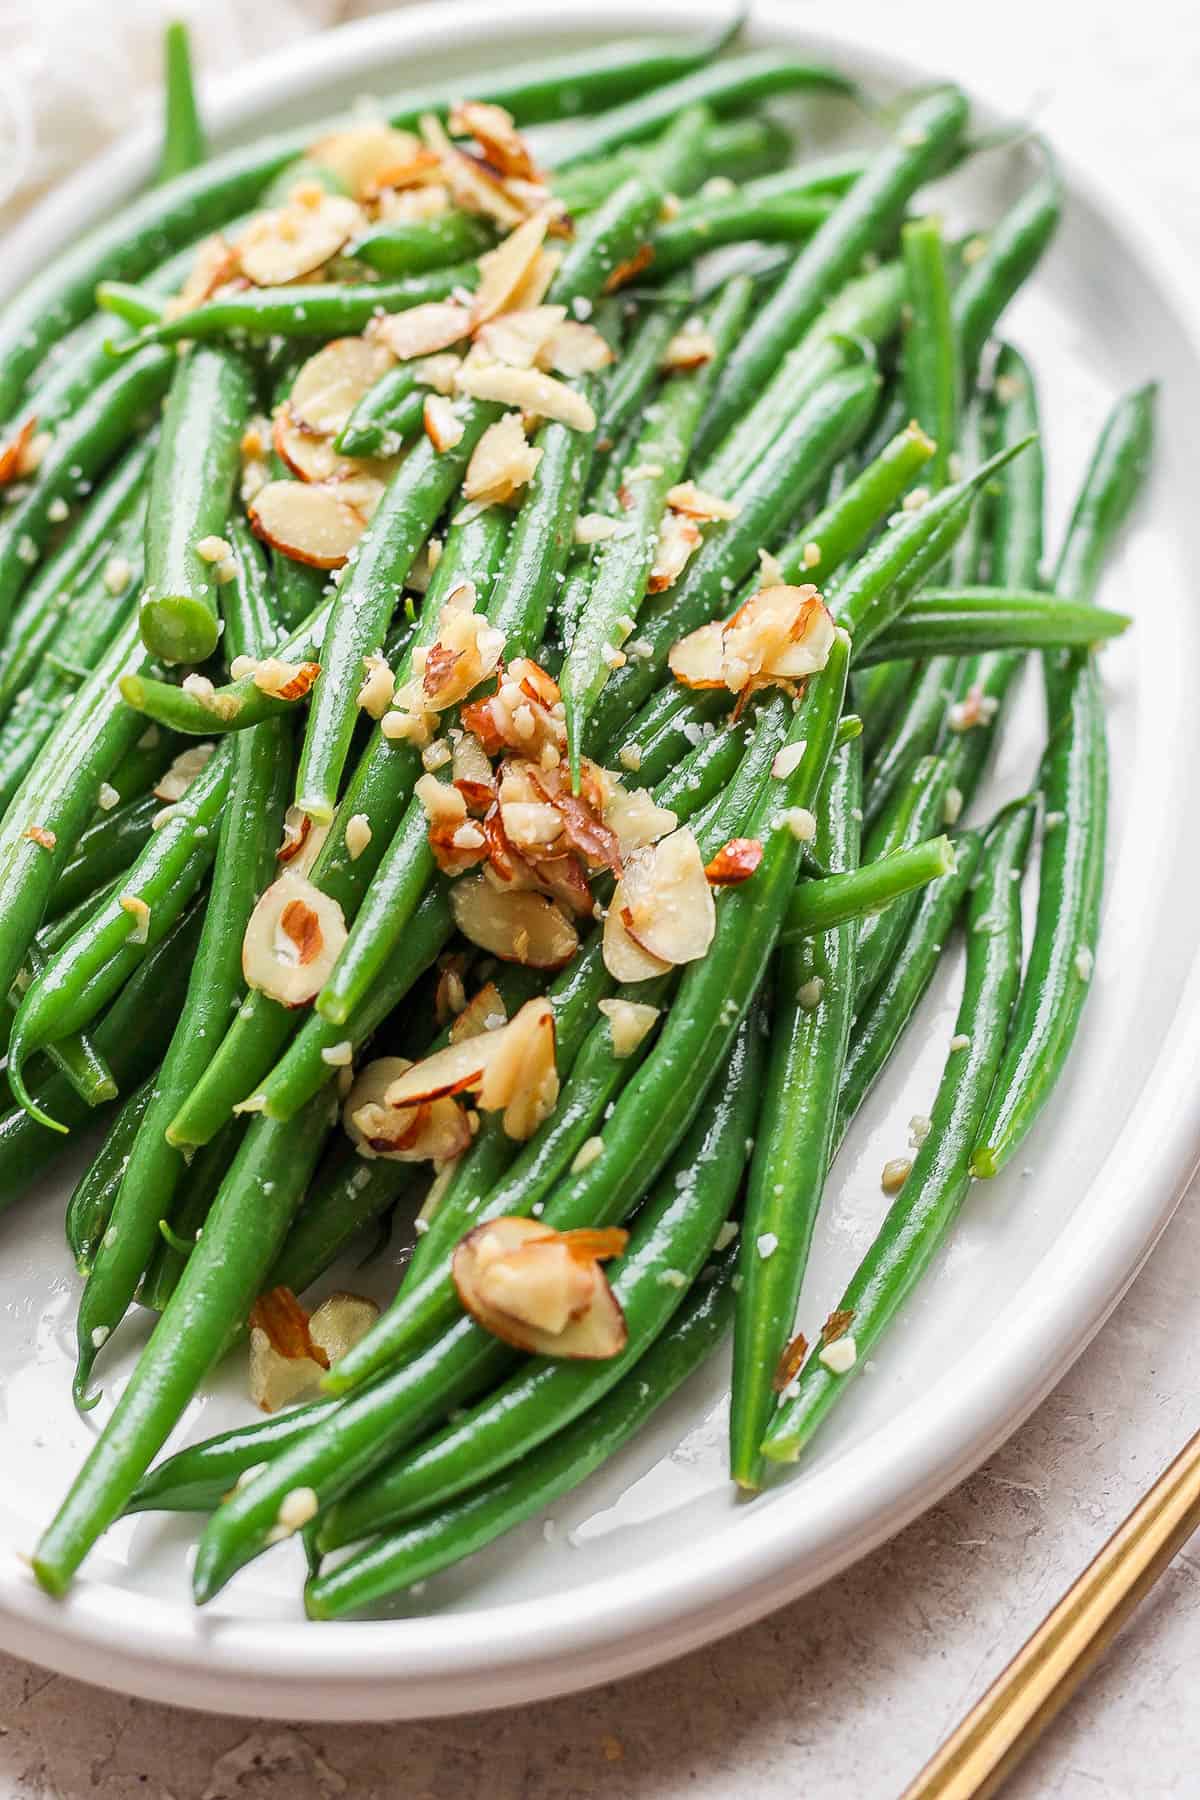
(1004, 1725)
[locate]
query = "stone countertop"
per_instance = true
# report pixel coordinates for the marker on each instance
(846, 1692)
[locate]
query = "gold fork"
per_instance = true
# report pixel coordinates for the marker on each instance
(1004, 1725)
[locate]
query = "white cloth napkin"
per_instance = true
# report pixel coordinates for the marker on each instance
(74, 74)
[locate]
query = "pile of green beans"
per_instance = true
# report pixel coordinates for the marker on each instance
(183, 714)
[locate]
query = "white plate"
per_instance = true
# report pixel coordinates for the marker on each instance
(655, 1556)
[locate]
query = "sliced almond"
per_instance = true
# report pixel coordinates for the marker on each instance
(511, 1069)
(494, 130)
(411, 205)
(502, 271)
(576, 349)
(664, 901)
(291, 241)
(307, 522)
(542, 1291)
(14, 452)
(632, 814)
(536, 285)
(438, 372)
(529, 389)
(472, 186)
(216, 264)
(443, 427)
(307, 454)
(516, 339)
(432, 1130)
(734, 862)
(293, 939)
(361, 155)
(340, 1322)
(630, 269)
(484, 1011)
(302, 841)
(698, 660)
(330, 384)
(629, 1021)
(285, 1360)
(502, 462)
(678, 540)
(422, 330)
(624, 957)
(517, 927)
(689, 349)
(781, 634)
(685, 497)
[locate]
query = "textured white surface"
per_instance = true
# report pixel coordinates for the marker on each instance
(846, 1692)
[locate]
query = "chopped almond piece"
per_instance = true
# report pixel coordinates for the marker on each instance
(595, 528)
(362, 155)
(471, 185)
(297, 829)
(734, 862)
(422, 330)
(293, 939)
(216, 264)
(632, 814)
(576, 349)
(469, 761)
(280, 246)
(541, 1290)
(465, 652)
(511, 1069)
(307, 522)
(137, 909)
(678, 540)
(38, 834)
(412, 205)
(496, 134)
(340, 1322)
(502, 462)
(14, 452)
(330, 384)
(437, 372)
(378, 686)
(443, 427)
(630, 269)
(289, 1350)
(517, 927)
(504, 269)
(281, 680)
(664, 902)
(432, 1130)
(689, 349)
(780, 635)
(175, 781)
(530, 390)
(628, 1023)
(687, 498)
(358, 835)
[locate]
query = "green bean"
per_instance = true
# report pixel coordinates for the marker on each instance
(198, 1478)
(736, 149)
(624, 562)
(398, 247)
(913, 733)
(724, 86)
(250, 1217)
(819, 905)
(1008, 257)
(251, 822)
(84, 551)
(554, 1469)
(940, 1177)
(789, 469)
(379, 790)
(92, 1199)
(364, 603)
(194, 470)
(880, 1023)
(79, 451)
(184, 147)
(670, 1241)
(932, 360)
(636, 370)
(388, 412)
(813, 1003)
(926, 135)
(969, 620)
(1073, 781)
(131, 1037)
(191, 1204)
(704, 225)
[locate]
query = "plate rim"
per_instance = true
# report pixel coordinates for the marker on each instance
(501, 1655)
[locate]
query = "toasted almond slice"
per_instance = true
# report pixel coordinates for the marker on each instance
(512, 1069)
(686, 497)
(361, 155)
(411, 205)
(529, 389)
(310, 456)
(628, 1023)
(630, 269)
(484, 1011)
(472, 186)
(503, 270)
(293, 938)
(443, 427)
(13, 453)
(576, 349)
(434, 1130)
(307, 522)
(624, 957)
(637, 821)
(285, 1359)
(779, 634)
(494, 130)
(678, 540)
(536, 285)
(698, 660)
(174, 783)
(522, 927)
(538, 1290)
(330, 384)
(689, 349)
(423, 330)
(502, 462)
(734, 862)
(516, 339)
(438, 372)
(664, 900)
(216, 263)
(413, 173)
(280, 246)
(340, 1322)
